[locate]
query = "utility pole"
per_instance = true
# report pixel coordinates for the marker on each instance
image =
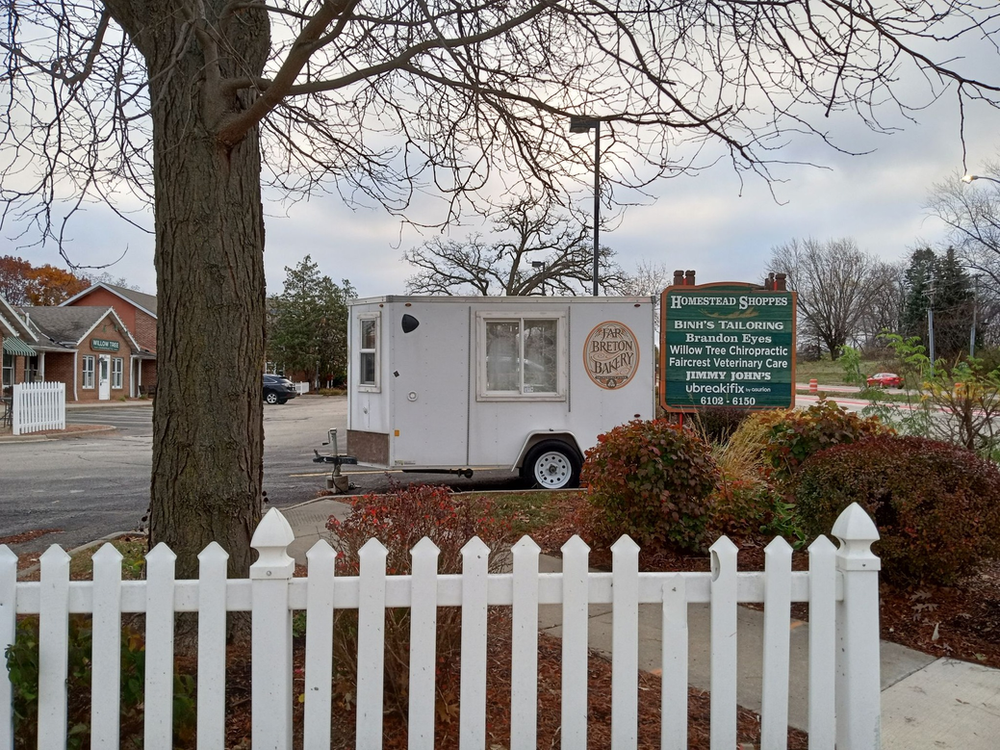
(975, 302)
(930, 323)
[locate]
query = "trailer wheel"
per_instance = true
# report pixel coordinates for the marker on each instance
(552, 465)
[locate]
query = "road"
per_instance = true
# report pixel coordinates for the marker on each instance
(94, 485)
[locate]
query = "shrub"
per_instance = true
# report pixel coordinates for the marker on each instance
(743, 455)
(23, 664)
(748, 507)
(400, 519)
(650, 480)
(937, 506)
(800, 434)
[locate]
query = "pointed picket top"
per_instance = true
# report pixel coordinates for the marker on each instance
(856, 532)
(625, 546)
(822, 546)
(778, 549)
(374, 551)
(161, 554)
(526, 546)
(7, 556)
(53, 557)
(212, 552)
(475, 547)
(321, 552)
(724, 554)
(108, 554)
(425, 549)
(575, 546)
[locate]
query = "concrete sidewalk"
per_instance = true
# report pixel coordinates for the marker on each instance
(926, 702)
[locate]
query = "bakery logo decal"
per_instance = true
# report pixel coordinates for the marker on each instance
(611, 354)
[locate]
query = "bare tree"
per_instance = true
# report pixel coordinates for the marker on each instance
(838, 285)
(971, 210)
(194, 104)
(536, 250)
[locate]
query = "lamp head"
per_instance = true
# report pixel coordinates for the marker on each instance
(970, 177)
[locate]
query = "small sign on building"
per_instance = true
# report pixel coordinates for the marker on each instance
(103, 345)
(727, 345)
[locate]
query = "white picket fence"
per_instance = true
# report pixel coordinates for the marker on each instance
(302, 388)
(841, 588)
(39, 406)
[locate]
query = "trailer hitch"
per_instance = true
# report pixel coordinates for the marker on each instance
(336, 481)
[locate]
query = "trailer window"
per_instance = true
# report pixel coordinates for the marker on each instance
(521, 357)
(368, 352)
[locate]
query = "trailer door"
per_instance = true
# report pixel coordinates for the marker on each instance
(430, 385)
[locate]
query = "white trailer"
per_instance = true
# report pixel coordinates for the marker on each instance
(520, 383)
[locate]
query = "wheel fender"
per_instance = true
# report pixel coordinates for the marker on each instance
(534, 438)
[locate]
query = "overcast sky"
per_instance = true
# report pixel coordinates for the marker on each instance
(700, 222)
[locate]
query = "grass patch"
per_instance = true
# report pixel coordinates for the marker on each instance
(526, 512)
(133, 549)
(828, 372)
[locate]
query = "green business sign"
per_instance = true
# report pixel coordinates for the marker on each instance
(103, 345)
(726, 345)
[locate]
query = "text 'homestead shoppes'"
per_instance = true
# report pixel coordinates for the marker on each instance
(727, 345)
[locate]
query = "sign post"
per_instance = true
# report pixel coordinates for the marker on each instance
(724, 345)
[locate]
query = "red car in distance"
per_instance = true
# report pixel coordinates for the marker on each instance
(885, 380)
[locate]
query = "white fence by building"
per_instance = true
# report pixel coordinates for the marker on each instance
(302, 387)
(841, 588)
(39, 406)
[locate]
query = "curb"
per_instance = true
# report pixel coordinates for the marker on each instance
(39, 437)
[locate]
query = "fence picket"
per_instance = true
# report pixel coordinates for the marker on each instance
(38, 406)
(674, 672)
(625, 644)
(158, 700)
(822, 644)
(423, 645)
(371, 644)
(53, 645)
(575, 621)
(8, 630)
(524, 647)
(472, 691)
(212, 647)
(319, 645)
(722, 733)
(107, 647)
(777, 615)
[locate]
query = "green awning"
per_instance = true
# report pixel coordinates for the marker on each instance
(18, 348)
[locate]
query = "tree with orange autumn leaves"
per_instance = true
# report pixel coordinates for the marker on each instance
(24, 284)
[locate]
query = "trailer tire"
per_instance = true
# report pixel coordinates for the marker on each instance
(552, 465)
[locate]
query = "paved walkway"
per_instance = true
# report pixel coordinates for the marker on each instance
(940, 704)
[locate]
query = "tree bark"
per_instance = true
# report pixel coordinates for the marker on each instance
(207, 418)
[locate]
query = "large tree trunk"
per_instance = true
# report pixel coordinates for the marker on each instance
(207, 417)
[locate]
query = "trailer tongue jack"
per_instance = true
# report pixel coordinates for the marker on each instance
(336, 481)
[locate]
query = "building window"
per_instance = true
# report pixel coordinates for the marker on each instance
(117, 368)
(368, 329)
(88, 371)
(31, 369)
(8, 369)
(521, 357)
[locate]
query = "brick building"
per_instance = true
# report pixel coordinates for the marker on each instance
(137, 311)
(88, 348)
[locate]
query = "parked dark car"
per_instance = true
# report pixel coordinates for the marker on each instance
(885, 380)
(277, 389)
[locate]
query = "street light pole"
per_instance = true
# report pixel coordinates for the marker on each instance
(582, 125)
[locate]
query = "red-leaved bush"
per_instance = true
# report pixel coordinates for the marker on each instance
(650, 480)
(936, 505)
(400, 519)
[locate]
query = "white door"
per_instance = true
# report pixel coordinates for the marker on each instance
(104, 378)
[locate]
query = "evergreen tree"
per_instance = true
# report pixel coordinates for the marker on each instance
(918, 282)
(307, 324)
(952, 307)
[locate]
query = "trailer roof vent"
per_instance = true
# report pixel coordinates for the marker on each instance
(409, 323)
